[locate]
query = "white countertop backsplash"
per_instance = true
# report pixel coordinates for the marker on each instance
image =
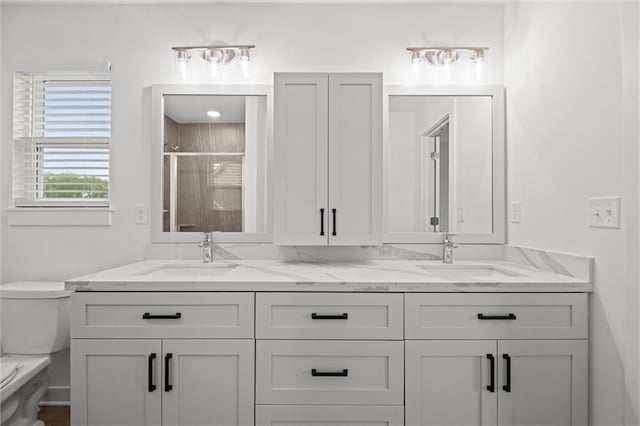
(388, 268)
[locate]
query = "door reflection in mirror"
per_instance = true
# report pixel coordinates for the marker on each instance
(439, 164)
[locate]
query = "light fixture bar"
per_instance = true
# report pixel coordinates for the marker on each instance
(234, 46)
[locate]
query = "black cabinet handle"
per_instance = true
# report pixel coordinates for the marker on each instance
(334, 222)
(316, 373)
(321, 221)
(507, 387)
(343, 316)
(497, 317)
(147, 315)
(152, 387)
(167, 384)
(492, 364)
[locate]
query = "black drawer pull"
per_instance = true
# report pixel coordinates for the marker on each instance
(321, 221)
(152, 386)
(147, 315)
(492, 363)
(167, 372)
(507, 387)
(343, 316)
(497, 317)
(316, 373)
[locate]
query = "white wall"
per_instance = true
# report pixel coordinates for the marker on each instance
(571, 72)
(137, 40)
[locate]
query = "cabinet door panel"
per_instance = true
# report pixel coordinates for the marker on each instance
(446, 383)
(355, 158)
(110, 383)
(548, 383)
(212, 383)
(301, 155)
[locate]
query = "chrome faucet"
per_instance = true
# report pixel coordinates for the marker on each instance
(447, 248)
(207, 247)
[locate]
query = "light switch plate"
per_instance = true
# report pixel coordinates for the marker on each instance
(604, 212)
(141, 214)
(460, 214)
(514, 212)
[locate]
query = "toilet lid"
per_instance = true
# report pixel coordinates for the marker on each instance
(8, 370)
(34, 290)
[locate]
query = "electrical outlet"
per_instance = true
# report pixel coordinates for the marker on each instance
(460, 214)
(604, 212)
(514, 213)
(141, 214)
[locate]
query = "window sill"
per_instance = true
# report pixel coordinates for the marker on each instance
(59, 216)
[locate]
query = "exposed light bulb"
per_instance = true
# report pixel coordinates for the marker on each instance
(416, 57)
(182, 63)
(213, 113)
(244, 54)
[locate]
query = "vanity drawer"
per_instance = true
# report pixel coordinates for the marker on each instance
(287, 415)
(329, 316)
(496, 316)
(329, 372)
(162, 315)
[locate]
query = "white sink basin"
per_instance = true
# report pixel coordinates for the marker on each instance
(467, 271)
(204, 270)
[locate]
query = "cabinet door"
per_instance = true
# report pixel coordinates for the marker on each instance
(208, 382)
(115, 382)
(542, 383)
(449, 383)
(355, 158)
(301, 154)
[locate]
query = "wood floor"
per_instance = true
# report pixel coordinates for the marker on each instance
(54, 416)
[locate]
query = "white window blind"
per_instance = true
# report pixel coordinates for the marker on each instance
(61, 133)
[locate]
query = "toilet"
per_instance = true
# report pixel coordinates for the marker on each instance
(35, 323)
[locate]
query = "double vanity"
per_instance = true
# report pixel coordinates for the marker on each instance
(376, 333)
(378, 342)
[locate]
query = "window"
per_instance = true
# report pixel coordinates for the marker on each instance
(61, 133)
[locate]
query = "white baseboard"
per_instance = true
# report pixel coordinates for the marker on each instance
(57, 395)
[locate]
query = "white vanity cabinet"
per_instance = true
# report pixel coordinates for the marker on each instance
(328, 158)
(334, 358)
(513, 377)
(125, 373)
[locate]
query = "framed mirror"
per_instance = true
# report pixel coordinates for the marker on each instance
(444, 164)
(211, 155)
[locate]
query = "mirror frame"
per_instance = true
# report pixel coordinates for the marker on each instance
(498, 168)
(158, 91)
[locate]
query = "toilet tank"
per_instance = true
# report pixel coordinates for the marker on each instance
(34, 317)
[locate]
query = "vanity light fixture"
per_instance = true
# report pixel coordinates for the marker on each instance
(213, 113)
(214, 56)
(446, 56)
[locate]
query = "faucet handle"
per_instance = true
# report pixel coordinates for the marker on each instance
(207, 237)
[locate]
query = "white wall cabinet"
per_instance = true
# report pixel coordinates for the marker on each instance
(328, 159)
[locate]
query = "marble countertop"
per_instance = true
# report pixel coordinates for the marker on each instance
(282, 275)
